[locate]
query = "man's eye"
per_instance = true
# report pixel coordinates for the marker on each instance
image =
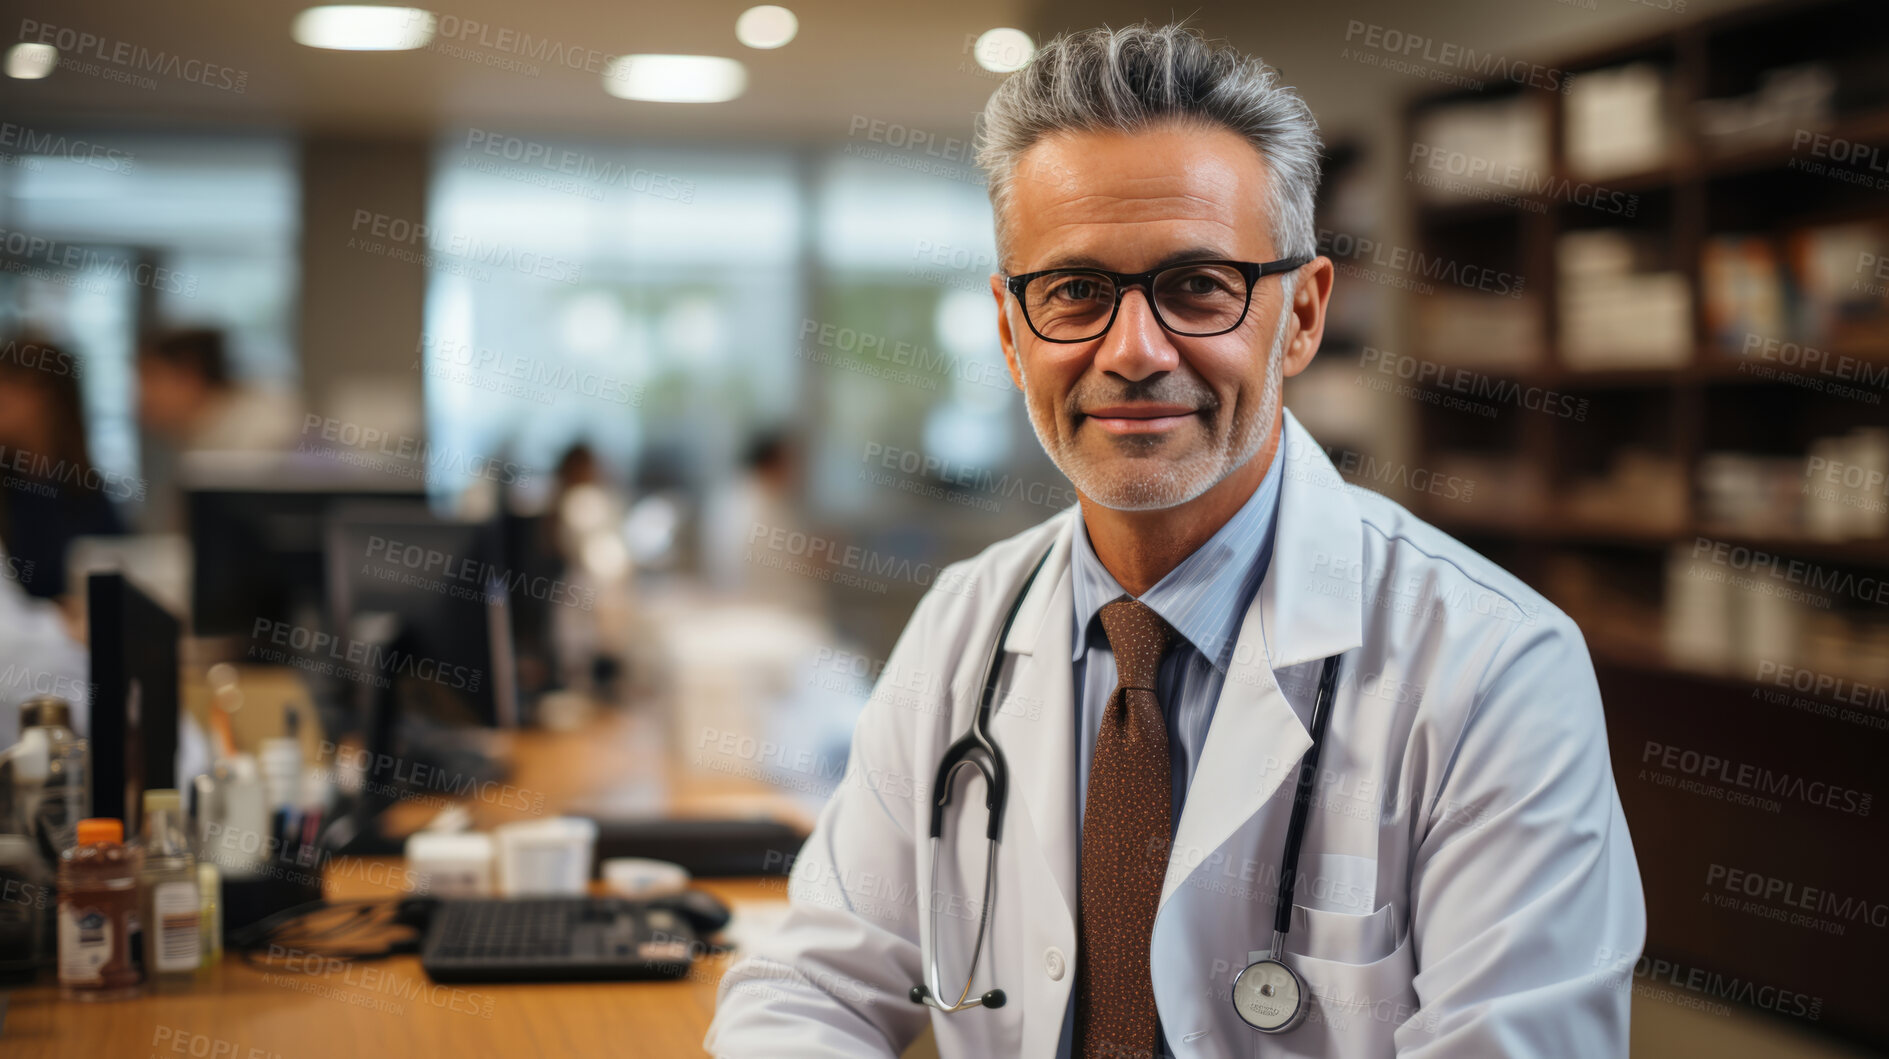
(1082, 289)
(1198, 283)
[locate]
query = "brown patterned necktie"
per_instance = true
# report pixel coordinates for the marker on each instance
(1125, 836)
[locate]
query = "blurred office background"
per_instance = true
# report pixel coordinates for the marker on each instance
(1611, 308)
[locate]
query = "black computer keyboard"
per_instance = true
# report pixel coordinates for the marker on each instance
(556, 939)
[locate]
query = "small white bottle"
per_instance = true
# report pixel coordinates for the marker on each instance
(170, 897)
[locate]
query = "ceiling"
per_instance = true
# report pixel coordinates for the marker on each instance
(853, 61)
(905, 61)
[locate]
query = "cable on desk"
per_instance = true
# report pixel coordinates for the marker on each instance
(361, 930)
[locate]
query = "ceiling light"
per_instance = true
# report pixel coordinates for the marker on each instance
(1002, 50)
(675, 78)
(767, 26)
(359, 27)
(30, 62)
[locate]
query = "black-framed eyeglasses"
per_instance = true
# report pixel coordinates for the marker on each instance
(1195, 299)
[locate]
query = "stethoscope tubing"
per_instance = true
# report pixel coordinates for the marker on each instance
(978, 750)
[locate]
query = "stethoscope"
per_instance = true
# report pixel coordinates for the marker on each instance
(1268, 995)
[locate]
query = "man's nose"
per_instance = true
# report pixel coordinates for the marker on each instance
(1137, 346)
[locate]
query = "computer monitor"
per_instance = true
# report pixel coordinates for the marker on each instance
(134, 709)
(256, 529)
(440, 582)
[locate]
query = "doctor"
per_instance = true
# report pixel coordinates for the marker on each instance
(1465, 884)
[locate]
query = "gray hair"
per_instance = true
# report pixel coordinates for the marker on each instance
(1126, 80)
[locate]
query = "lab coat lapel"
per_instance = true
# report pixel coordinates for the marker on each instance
(1035, 725)
(1307, 608)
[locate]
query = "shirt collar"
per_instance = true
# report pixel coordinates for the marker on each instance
(1206, 596)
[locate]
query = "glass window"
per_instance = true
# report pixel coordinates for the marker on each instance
(140, 233)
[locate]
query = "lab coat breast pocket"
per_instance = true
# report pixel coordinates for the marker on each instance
(1359, 971)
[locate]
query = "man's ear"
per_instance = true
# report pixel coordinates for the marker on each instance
(1311, 292)
(1004, 334)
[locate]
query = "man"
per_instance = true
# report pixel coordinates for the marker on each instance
(188, 402)
(1466, 885)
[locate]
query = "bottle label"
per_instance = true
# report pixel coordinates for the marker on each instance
(175, 907)
(85, 944)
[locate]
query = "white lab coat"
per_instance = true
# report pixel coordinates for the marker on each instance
(1467, 885)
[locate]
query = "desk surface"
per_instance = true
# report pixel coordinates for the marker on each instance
(390, 1007)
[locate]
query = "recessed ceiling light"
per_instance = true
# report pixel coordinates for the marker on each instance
(362, 27)
(30, 62)
(767, 26)
(675, 78)
(1002, 50)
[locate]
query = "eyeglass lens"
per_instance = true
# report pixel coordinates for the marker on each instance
(1076, 305)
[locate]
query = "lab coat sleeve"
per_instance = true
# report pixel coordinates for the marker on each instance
(1527, 911)
(37, 655)
(833, 980)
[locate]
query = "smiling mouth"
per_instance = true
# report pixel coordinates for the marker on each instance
(1140, 418)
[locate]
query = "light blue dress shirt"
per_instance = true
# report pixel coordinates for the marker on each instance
(1205, 599)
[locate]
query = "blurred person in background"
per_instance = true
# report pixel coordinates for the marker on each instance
(40, 652)
(760, 499)
(50, 493)
(188, 402)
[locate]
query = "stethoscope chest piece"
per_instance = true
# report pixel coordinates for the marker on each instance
(1270, 996)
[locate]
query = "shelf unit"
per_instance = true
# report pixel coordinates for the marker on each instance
(1711, 402)
(1706, 404)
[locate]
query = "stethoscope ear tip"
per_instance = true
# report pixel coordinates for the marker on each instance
(918, 994)
(995, 998)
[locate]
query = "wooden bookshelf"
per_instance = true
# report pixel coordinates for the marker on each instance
(1679, 411)
(1682, 413)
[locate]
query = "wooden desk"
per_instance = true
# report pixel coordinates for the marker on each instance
(389, 1007)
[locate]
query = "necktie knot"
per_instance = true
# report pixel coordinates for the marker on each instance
(1139, 638)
